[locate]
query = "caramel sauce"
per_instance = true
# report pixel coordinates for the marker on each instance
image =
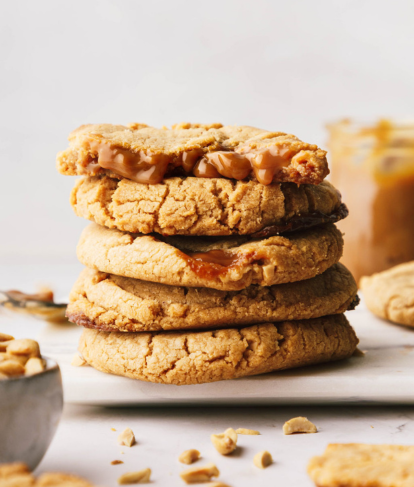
(219, 257)
(140, 167)
(150, 168)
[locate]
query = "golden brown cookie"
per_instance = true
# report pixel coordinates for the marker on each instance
(147, 155)
(360, 465)
(226, 263)
(390, 294)
(112, 303)
(183, 358)
(197, 206)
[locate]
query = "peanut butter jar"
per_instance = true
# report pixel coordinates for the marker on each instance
(373, 167)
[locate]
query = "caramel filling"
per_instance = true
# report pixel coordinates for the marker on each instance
(149, 168)
(215, 263)
(218, 257)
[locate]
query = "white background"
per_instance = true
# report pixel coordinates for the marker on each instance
(281, 65)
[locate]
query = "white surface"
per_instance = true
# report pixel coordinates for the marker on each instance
(85, 444)
(385, 374)
(283, 65)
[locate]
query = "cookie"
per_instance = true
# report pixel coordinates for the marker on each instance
(360, 465)
(226, 263)
(147, 155)
(390, 294)
(196, 206)
(112, 303)
(183, 358)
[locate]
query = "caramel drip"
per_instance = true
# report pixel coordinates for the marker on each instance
(219, 257)
(150, 168)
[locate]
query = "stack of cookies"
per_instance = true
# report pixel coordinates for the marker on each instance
(212, 254)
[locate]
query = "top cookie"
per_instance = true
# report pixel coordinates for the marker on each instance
(147, 155)
(390, 294)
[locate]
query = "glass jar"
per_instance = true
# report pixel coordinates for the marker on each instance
(373, 168)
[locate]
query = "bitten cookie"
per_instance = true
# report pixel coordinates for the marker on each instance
(112, 303)
(227, 263)
(199, 206)
(184, 358)
(390, 294)
(147, 155)
(359, 465)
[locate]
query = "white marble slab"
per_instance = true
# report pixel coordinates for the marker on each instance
(384, 375)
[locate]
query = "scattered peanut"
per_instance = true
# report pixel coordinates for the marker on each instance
(245, 431)
(78, 361)
(141, 477)
(34, 365)
(196, 475)
(116, 462)
(189, 456)
(262, 459)
(299, 425)
(226, 442)
(127, 437)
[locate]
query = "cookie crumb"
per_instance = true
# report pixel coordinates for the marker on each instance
(262, 459)
(127, 437)
(217, 484)
(246, 431)
(78, 361)
(113, 429)
(189, 456)
(196, 475)
(141, 477)
(225, 443)
(299, 425)
(116, 462)
(359, 353)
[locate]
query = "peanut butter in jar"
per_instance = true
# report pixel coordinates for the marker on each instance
(373, 167)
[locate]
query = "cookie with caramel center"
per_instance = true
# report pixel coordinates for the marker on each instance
(200, 206)
(184, 358)
(226, 263)
(148, 155)
(112, 303)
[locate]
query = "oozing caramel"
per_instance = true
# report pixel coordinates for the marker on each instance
(150, 168)
(219, 257)
(214, 263)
